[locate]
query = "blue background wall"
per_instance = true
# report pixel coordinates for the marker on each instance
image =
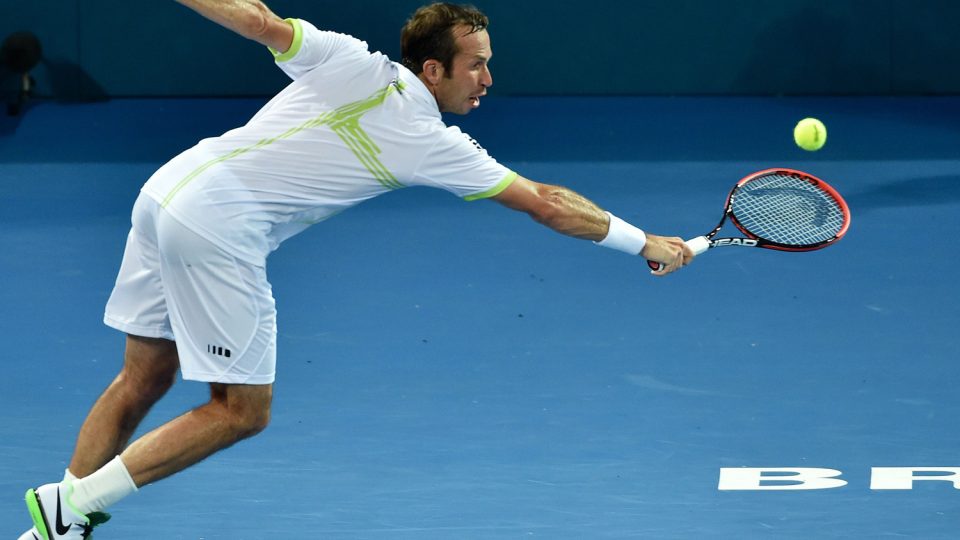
(599, 47)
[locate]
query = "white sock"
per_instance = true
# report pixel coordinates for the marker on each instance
(68, 476)
(102, 488)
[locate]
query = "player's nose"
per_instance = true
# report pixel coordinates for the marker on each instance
(486, 78)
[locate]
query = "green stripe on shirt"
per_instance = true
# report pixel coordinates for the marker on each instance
(343, 121)
(294, 47)
(495, 190)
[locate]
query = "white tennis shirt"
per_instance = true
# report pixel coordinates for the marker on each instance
(352, 125)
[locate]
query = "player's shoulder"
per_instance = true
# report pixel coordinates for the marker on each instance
(457, 137)
(312, 48)
(310, 32)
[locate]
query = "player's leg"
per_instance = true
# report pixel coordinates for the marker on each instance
(222, 311)
(137, 306)
(149, 370)
(223, 314)
(234, 412)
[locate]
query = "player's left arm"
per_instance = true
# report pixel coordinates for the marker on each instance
(251, 19)
(567, 212)
(557, 207)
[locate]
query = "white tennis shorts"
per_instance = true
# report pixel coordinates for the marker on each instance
(176, 285)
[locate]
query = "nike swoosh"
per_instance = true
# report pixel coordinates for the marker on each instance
(61, 528)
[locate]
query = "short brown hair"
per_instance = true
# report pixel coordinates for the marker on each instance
(428, 34)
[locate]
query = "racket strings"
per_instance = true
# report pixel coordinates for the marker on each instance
(787, 210)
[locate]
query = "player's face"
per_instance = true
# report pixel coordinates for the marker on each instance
(460, 91)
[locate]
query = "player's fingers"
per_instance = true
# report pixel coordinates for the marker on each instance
(672, 266)
(663, 270)
(674, 252)
(680, 252)
(678, 262)
(681, 258)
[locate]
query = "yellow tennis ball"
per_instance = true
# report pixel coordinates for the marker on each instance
(810, 134)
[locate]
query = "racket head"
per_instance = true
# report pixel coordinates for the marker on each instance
(788, 210)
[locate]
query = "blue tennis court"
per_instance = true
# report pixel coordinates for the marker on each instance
(452, 370)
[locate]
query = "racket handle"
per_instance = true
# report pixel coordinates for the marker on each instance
(697, 245)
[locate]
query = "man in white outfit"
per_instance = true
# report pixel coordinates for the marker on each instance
(192, 291)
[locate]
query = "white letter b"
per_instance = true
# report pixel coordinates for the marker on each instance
(749, 479)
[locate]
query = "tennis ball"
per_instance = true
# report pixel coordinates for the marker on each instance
(810, 134)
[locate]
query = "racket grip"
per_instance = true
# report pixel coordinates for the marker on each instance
(697, 245)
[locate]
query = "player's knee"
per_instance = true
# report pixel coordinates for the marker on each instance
(252, 416)
(258, 423)
(247, 410)
(249, 422)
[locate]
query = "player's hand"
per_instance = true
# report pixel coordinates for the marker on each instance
(671, 252)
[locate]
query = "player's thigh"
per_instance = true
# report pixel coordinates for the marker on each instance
(221, 309)
(137, 304)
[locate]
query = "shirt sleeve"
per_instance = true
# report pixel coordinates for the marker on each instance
(458, 164)
(311, 48)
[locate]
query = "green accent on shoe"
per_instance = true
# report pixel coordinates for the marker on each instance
(98, 518)
(68, 498)
(36, 513)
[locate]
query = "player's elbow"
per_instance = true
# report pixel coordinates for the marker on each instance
(255, 21)
(549, 209)
(546, 204)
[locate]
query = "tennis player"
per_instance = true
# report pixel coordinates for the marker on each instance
(192, 291)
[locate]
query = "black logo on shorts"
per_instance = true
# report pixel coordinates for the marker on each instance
(219, 351)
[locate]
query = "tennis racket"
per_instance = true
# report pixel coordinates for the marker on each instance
(779, 209)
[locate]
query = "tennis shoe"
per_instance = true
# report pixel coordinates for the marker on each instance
(54, 517)
(96, 518)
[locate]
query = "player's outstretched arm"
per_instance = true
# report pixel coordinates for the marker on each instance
(251, 19)
(572, 214)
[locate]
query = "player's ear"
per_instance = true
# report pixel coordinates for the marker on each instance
(433, 71)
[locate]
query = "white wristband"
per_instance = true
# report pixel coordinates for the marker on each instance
(623, 236)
